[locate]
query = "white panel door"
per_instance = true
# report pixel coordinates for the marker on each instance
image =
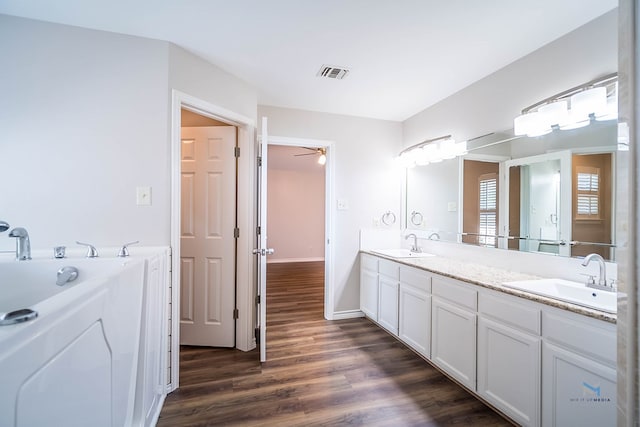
(207, 247)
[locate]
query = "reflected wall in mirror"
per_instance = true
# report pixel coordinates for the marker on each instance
(433, 202)
(592, 213)
(434, 189)
(480, 203)
(539, 192)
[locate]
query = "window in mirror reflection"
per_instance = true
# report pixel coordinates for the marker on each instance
(592, 209)
(480, 203)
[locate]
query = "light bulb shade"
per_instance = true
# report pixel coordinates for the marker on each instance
(554, 113)
(537, 124)
(322, 159)
(448, 149)
(521, 124)
(530, 124)
(591, 101)
(575, 120)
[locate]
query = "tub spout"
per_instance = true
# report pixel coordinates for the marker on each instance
(23, 245)
(66, 274)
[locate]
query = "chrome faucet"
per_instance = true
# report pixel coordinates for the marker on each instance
(23, 245)
(4, 226)
(602, 280)
(415, 247)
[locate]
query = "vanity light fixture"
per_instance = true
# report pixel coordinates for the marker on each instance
(571, 109)
(431, 151)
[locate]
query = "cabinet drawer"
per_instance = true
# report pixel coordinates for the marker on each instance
(509, 310)
(389, 269)
(369, 262)
(417, 278)
(590, 337)
(455, 292)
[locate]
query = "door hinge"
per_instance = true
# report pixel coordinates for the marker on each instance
(236, 232)
(235, 313)
(259, 161)
(258, 230)
(257, 299)
(236, 152)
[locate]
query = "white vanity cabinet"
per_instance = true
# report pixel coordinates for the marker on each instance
(414, 327)
(369, 286)
(453, 329)
(388, 286)
(509, 346)
(578, 370)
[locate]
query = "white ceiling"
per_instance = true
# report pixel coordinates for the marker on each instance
(404, 55)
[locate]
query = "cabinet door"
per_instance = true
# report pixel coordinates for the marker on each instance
(509, 371)
(415, 319)
(369, 293)
(453, 341)
(576, 391)
(388, 304)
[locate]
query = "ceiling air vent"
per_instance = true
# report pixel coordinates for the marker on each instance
(333, 72)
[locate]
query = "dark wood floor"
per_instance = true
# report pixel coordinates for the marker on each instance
(320, 373)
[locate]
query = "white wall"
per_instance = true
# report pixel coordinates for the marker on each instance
(84, 121)
(490, 104)
(364, 177)
(295, 209)
(85, 118)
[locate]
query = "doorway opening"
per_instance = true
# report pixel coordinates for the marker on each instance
(296, 230)
(242, 186)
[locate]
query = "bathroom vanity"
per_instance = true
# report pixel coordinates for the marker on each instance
(537, 360)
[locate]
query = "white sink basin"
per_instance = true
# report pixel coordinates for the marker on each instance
(566, 290)
(401, 253)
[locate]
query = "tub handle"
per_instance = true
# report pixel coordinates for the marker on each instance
(17, 316)
(124, 252)
(91, 250)
(66, 274)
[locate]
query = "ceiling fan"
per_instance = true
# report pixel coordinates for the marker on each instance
(321, 151)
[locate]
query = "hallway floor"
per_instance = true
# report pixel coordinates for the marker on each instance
(318, 372)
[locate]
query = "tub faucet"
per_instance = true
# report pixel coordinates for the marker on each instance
(92, 252)
(602, 280)
(23, 245)
(415, 247)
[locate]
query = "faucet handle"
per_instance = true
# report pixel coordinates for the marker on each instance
(91, 250)
(4, 226)
(124, 252)
(591, 279)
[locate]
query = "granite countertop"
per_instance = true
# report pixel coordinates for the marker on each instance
(491, 278)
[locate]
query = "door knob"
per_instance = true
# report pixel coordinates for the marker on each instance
(263, 252)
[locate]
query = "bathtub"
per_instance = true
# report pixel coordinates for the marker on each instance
(76, 363)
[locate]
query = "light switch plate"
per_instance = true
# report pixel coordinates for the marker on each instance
(143, 196)
(452, 206)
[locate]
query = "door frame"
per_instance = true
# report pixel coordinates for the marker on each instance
(244, 259)
(329, 173)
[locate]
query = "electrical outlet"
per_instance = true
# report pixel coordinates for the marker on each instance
(452, 206)
(343, 204)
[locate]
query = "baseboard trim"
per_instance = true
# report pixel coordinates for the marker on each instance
(347, 314)
(275, 261)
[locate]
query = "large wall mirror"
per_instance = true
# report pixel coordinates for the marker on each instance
(552, 194)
